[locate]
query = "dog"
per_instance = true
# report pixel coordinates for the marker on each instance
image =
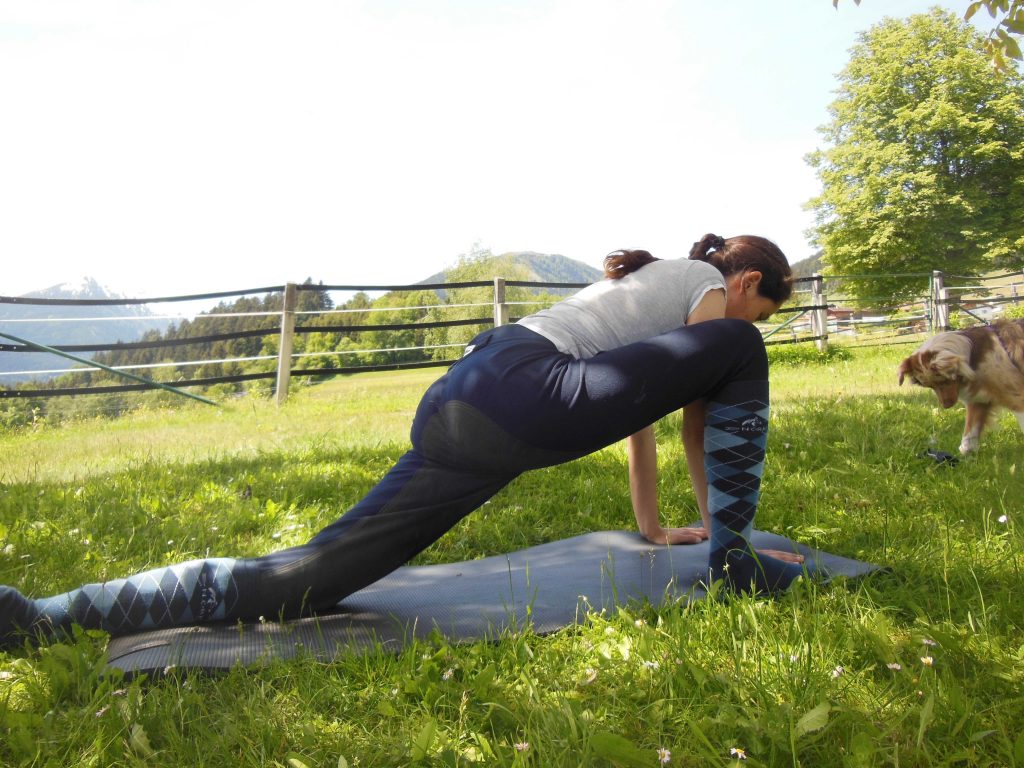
(982, 366)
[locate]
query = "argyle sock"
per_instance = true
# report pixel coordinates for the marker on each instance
(18, 617)
(735, 434)
(186, 593)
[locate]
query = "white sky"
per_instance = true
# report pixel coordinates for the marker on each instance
(185, 146)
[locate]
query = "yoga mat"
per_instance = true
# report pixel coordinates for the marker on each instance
(543, 588)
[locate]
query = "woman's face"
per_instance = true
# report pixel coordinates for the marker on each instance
(743, 302)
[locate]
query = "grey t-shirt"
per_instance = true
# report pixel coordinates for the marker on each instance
(657, 298)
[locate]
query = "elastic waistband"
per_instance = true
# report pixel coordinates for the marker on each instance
(506, 334)
(520, 333)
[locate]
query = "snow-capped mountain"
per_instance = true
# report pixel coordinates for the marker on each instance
(59, 325)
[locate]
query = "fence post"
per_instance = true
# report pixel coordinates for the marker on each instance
(284, 349)
(940, 302)
(500, 307)
(819, 315)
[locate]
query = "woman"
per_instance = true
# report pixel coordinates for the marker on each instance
(603, 365)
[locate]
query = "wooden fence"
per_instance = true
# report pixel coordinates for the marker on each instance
(813, 316)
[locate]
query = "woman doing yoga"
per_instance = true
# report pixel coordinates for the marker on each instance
(602, 365)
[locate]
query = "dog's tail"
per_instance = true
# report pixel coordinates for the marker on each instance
(1011, 335)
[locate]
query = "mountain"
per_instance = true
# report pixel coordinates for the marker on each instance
(62, 326)
(542, 268)
(807, 267)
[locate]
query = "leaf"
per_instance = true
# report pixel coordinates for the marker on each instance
(424, 740)
(972, 9)
(862, 746)
(927, 712)
(1011, 47)
(814, 720)
(139, 741)
(618, 749)
(482, 682)
(342, 762)
(294, 762)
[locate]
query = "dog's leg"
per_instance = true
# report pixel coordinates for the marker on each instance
(1020, 419)
(977, 416)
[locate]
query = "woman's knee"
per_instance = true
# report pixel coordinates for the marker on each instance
(745, 342)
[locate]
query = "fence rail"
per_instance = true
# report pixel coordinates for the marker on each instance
(813, 317)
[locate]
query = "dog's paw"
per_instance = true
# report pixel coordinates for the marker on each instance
(968, 445)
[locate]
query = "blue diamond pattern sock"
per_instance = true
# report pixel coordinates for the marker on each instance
(18, 617)
(735, 434)
(186, 593)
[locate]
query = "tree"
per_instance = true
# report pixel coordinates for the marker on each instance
(926, 164)
(470, 303)
(1001, 45)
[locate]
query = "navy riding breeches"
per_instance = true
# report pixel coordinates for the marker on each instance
(512, 404)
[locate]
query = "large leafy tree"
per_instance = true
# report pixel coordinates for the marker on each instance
(1002, 44)
(925, 163)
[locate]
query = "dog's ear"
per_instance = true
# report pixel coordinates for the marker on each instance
(949, 365)
(964, 370)
(905, 368)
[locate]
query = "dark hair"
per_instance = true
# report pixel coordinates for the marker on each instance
(620, 263)
(738, 254)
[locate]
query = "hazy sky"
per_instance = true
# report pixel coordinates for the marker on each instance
(184, 146)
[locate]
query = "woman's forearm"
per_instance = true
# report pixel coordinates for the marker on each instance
(693, 444)
(642, 453)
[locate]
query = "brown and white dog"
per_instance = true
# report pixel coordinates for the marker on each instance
(983, 366)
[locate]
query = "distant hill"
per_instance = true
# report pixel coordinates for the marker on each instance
(543, 268)
(813, 265)
(45, 324)
(807, 267)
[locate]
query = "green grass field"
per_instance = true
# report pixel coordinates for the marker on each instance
(921, 664)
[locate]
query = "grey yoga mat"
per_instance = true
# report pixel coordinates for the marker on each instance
(543, 588)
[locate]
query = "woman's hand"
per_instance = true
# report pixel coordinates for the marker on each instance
(783, 555)
(677, 536)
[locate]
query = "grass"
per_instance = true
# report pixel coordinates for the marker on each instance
(826, 675)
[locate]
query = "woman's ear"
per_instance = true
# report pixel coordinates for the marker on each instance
(750, 279)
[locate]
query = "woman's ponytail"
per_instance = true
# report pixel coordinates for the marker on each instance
(618, 264)
(703, 248)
